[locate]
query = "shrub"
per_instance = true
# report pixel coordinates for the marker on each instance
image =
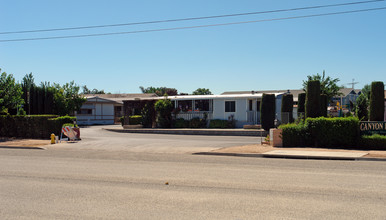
(377, 97)
(122, 120)
(197, 123)
(313, 99)
(72, 125)
(333, 132)
(295, 135)
(287, 104)
(148, 115)
(267, 114)
(135, 119)
(164, 108)
(218, 123)
(375, 141)
(180, 123)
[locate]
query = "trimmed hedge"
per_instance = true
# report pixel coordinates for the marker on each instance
(193, 123)
(375, 141)
(267, 115)
(287, 104)
(322, 132)
(377, 97)
(295, 135)
(218, 123)
(180, 123)
(135, 120)
(34, 126)
(197, 123)
(333, 132)
(301, 102)
(301, 105)
(313, 99)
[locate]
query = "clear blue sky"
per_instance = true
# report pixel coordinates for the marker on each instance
(255, 56)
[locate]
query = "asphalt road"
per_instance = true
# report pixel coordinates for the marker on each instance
(70, 183)
(94, 138)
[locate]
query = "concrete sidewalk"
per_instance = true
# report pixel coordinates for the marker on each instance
(331, 155)
(298, 153)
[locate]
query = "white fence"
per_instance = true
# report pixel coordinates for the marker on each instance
(253, 117)
(191, 115)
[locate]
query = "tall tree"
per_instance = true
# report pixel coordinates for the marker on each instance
(366, 91)
(160, 91)
(377, 101)
(10, 93)
(287, 104)
(202, 91)
(362, 105)
(267, 115)
(301, 105)
(94, 91)
(328, 85)
(313, 99)
(73, 101)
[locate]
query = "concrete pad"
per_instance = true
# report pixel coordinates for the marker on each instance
(314, 154)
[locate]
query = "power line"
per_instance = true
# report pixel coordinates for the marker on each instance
(193, 27)
(192, 18)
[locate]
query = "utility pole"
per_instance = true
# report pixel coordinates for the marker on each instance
(353, 83)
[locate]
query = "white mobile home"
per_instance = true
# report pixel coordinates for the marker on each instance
(244, 108)
(96, 110)
(104, 108)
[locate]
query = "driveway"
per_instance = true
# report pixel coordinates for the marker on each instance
(95, 137)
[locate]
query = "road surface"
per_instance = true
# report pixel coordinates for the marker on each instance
(70, 183)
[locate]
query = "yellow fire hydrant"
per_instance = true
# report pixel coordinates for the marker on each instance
(52, 138)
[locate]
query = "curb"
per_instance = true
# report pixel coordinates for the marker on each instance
(227, 154)
(371, 159)
(24, 148)
(251, 133)
(290, 157)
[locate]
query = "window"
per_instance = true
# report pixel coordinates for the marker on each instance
(250, 105)
(230, 106)
(185, 105)
(258, 105)
(85, 111)
(201, 105)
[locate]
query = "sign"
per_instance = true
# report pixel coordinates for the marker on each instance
(372, 127)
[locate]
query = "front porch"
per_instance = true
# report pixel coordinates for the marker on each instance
(189, 109)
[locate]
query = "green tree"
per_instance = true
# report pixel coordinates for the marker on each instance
(73, 101)
(323, 105)
(366, 91)
(377, 99)
(362, 106)
(313, 99)
(287, 104)
(301, 105)
(267, 115)
(10, 94)
(94, 91)
(202, 91)
(159, 91)
(148, 114)
(328, 85)
(164, 108)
